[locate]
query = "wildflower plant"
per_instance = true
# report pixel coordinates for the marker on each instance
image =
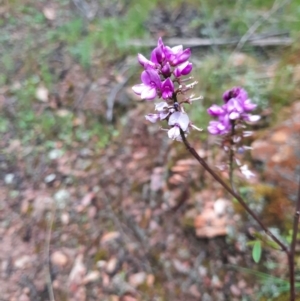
(165, 77)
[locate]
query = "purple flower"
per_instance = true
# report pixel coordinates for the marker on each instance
(151, 84)
(167, 89)
(236, 92)
(218, 128)
(153, 117)
(248, 105)
(178, 120)
(163, 112)
(215, 111)
(234, 108)
(157, 55)
(183, 69)
(144, 62)
(166, 70)
(176, 55)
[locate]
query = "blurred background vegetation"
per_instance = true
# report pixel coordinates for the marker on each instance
(41, 41)
(67, 67)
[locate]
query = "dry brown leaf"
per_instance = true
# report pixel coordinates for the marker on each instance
(107, 237)
(77, 273)
(91, 277)
(137, 279)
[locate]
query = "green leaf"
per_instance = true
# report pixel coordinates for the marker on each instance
(256, 251)
(266, 241)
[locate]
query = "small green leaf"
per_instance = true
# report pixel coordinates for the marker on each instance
(256, 251)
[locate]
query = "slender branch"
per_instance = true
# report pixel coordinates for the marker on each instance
(232, 192)
(47, 255)
(231, 155)
(291, 254)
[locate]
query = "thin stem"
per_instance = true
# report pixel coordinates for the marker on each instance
(291, 255)
(232, 192)
(231, 156)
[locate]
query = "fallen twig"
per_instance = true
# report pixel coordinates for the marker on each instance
(276, 6)
(197, 42)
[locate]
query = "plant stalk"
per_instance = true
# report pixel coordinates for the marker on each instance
(232, 192)
(231, 156)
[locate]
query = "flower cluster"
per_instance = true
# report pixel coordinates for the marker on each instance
(234, 112)
(162, 78)
(164, 63)
(230, 124)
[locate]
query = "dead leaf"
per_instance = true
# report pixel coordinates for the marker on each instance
(91, 277)
(77, 273)
(108, 237)
(111, 265)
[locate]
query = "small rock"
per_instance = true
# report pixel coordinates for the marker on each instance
(55, 154)
(58, 258)
(121, 285)
(150, 280)
(50, 178)
(61, 198)
(137, 279)
(181, 267)
(128, 298)
(220, 206)
(193, 290)
(9, 178)
(49, 13)
(42, 94)
(235, 290)
(101, 264)
(24, 297)
(23, 262)
(65, 218)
